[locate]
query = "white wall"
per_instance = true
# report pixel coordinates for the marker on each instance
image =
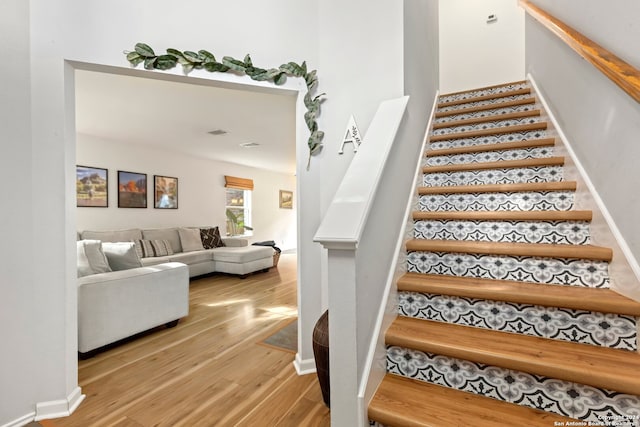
(20, 357)
(474, 53)
(599, 119)
(201, 192)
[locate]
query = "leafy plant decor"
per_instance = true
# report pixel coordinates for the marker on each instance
(205, 60)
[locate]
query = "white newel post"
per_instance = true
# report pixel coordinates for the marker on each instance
(343, 364)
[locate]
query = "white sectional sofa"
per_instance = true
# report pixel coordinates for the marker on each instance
(235, 257)
(133, 280)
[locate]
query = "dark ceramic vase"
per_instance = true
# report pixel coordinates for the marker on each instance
(321, 354)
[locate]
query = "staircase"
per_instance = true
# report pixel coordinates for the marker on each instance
(505, 316)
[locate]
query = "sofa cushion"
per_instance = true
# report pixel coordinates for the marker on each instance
(192, 257)
(190, 239)
(242, 254)
(155, 260)
(121, 255)
(95, 256)
(113, 236)
(153, 248)
(211, 238)
(170, 234)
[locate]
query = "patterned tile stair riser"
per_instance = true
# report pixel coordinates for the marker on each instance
(556, 232)
(551, 271)
(482, 92)
(487, 125)
(521, 201)
(492, 112)
(489, 156)
(579, 401)
(494, 176)
(483, 102)
(599, 329)
(492, 139)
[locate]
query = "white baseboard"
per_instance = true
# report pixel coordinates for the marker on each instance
(51, 409)
(19, 422)
(59, 408)
(304, 367)
(624, 270)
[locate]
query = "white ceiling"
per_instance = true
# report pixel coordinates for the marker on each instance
(178, 116)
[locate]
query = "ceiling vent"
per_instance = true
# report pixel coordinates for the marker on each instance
(217, 132)
(249, 145)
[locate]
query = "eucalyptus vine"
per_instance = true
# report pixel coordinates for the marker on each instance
(203, 59)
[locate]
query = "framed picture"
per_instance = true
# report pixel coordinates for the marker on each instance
(132, 190)
(286, 199)
(165, 192)
(92, 187)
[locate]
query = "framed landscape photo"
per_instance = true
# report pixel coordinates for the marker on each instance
(286, 199)
(132, 189)
(165, 192)
(92, 187)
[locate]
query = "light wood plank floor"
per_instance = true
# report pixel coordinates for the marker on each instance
(210, 369)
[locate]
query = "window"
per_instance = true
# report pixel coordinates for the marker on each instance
(238, 206)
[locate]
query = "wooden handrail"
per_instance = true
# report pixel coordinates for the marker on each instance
(620, 72)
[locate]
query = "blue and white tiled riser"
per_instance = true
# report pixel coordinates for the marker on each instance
(492, 139)
(494, 176)
(485, 113)
(488, 156)
(552, 395)
(482, 103)
(482, 92)
(554, 232)
(521, 201)
(552, 271)
(485, 126)
(600, 329)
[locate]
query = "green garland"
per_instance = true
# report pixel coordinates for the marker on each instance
(203, 59)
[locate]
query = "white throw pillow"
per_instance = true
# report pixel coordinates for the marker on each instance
(97, 259)
(121, 255)
(190, 239)
(84, 268)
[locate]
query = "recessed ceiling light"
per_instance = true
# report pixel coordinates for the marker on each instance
(249, 145)
(217, 132)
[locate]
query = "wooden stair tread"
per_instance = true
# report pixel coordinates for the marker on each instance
(574, 297)
(544, 250)
(493, 131)
(599, 367)
(483, 88)
(523, 91)
(505, 215)
(500, 188)
(501, 146)
(501, 164)
(404, 402)
(474, 109)
(486, 119)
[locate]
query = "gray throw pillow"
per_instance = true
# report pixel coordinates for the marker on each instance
(190, 239)
(121, 255)
(84, 268)
(95, 256)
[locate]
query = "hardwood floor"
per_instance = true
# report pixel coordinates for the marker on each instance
(210, 369)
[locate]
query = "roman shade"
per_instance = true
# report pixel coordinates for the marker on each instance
(238, 183)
